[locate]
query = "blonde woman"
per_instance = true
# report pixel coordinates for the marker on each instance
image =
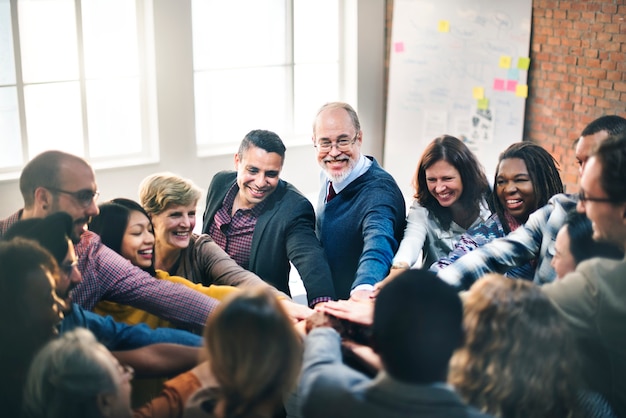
(171, 202)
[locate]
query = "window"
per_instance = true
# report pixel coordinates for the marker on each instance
(74, 75)
(262, 64)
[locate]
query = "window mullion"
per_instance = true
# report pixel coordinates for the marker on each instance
(19, 82)
(290, 58)
(81, 74)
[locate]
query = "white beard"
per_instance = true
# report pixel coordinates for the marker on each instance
(338, 178)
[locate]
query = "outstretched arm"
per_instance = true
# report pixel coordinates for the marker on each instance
(159, 360)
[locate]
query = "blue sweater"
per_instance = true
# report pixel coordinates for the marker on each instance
(119, 336)
(360, 229)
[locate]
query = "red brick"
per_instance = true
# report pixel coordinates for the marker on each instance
(604, 18)
(622, 97)
(588, 16)
(591, 53)
(605, 104)
(609, 8)
(604, 37)
(554, 41)
(612, 28)
(575, 98)
(618, 56)
(573, 15)
(619, 86)
(581, 108)
(596, 92)
(560, 14)
(590, 82)
(573, 38)
(592, 63)
(614, 75)
(576, 5)
(581, 25)
(589, 101)
(611, 95)
(599, 74)
(603, 55)
(604, 84)
(570, 60)
(594, 7)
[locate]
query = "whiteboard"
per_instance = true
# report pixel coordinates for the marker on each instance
(457, 67)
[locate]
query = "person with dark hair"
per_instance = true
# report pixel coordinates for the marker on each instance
(360, 210)
(593, 134)
(55, 181)
(29, 314)
(592, 298)
(417, 326)
(125, 227)
(574, 244)
(160, 352)
(535, 239)
(451, 196)
(265, 223)
(526, 178)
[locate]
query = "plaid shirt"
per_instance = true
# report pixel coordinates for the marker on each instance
(534, 239)
(234, 233)
(109, 276)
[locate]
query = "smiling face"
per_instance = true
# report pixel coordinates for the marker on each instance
(257, 175)
(444, 183)
(563, 261)
(69, 276)
(42, 306)
(74, 177)
(608, 219)
(515, 190)
(173, 228)
(585, 147)
(138, 240)
(332, 125)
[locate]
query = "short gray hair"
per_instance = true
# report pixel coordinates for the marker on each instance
(66, 376)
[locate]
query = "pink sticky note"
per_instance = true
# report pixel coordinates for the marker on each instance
(498, 84)
(399, 46)
(511, 85)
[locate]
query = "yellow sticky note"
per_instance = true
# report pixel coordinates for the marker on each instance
(521, 90)
(479, 93)
(483, 104)
(505, 61)
(444, 26)
(523, 63)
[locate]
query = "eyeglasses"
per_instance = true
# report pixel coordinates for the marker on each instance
(584, 198)
(341, 144)
(83, 197)
(67, 268)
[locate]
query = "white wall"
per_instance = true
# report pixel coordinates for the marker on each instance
(172, 26)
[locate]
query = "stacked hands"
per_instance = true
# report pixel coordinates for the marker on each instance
(352, 320)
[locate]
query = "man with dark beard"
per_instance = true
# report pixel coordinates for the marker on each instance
(56, 181)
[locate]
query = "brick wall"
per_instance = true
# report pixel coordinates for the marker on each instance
(577, 73)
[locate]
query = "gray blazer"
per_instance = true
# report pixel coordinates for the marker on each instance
(328, 388)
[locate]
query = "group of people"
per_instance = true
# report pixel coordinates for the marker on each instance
(517, 343)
